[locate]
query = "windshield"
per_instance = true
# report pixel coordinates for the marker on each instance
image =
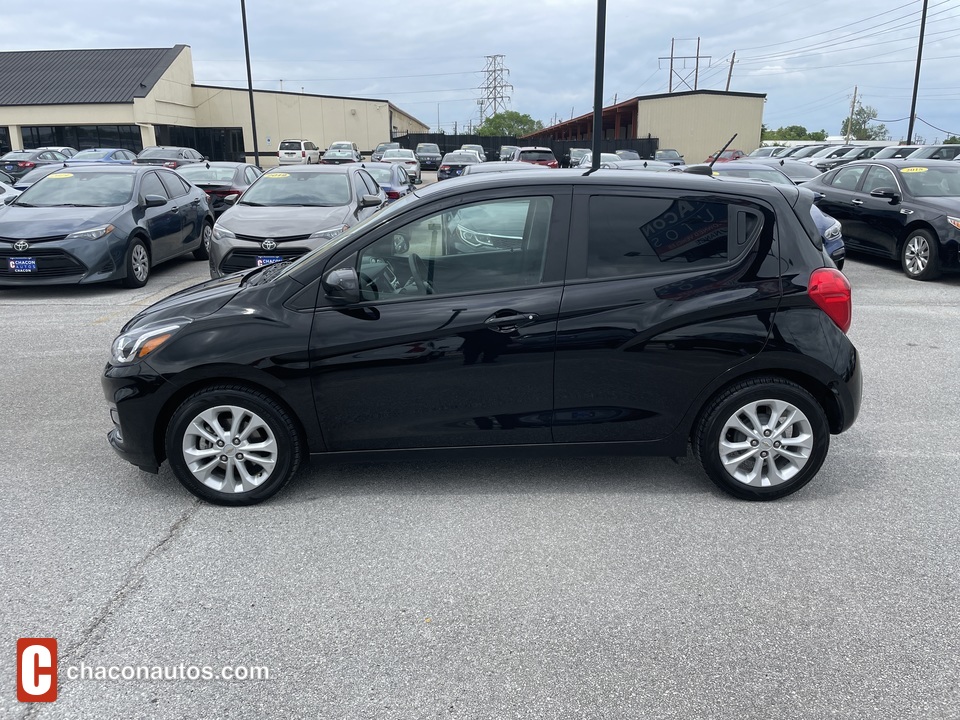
(929, 181)
(807, 151)
(18, 155)
(800, 170)
(203, 174)
(341, 146)
(897, 151)
(89, 189)
(314, 189)
(536, 156)
(381, 147)
(159, 152)
(460, 158)
(91, 154)
(767, 174)
(402, 154)
(428, 148)
(824, 152)
(667, 155)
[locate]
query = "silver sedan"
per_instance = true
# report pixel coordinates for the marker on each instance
(409, 160)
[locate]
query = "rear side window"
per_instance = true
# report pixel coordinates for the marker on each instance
(637, 236)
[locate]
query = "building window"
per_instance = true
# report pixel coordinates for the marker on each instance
(82, 137)
(5, 140)
(215, 143)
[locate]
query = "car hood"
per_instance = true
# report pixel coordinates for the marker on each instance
(943, 204)
(27, 222)
(194, 302)
(282, 221)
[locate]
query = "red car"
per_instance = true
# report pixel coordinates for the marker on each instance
(536, 156)
(727, 156)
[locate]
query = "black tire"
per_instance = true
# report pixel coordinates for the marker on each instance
(784, 468)
(138, 264)
(206, 235)
(920, 256)
(220, 479)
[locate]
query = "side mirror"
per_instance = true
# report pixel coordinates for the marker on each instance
(154, 201)
(369, 201)
(231, 199)
(886, 194)
(7, 199)
(342, 286)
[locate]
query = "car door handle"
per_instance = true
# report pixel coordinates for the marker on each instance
(509, 320)
(174, 208)
(857, 201)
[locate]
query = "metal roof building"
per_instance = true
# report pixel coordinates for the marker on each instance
(137, 97)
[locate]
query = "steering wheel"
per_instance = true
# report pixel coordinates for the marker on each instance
(418, 273)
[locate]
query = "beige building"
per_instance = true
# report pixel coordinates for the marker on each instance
(696, 123)
(134, 98)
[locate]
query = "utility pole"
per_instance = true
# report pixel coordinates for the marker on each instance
(598, 85)
(454, 127)
(494, 88)
(696, 67)
(916, 79)
(853, 106)
(730, 73)
(670, 86)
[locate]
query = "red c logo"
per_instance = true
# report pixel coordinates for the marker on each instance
(36, 669)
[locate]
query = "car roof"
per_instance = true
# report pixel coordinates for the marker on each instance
(621, 178)
(535, 147)
(897, 163)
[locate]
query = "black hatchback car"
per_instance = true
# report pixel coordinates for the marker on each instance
(903, 209)
(619, 312)
(95, 223)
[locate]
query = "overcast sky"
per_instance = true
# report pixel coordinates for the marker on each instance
(427, 56)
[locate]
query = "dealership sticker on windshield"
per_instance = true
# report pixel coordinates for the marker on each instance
(60, 175)
(904, 170)
(274, 175)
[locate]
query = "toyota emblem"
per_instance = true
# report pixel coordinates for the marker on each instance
(269, 244)
(21, 246)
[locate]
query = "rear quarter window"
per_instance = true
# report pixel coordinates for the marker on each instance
(645, 235)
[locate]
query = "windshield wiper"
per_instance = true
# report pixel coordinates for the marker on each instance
(22, 204)
(247, 202)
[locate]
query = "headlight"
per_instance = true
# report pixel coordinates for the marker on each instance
(91, 234)
(954, 221)
(833, 232)
(221, 233)
(329, 233)
(136, 344)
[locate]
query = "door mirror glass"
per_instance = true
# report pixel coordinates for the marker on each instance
(342, 286)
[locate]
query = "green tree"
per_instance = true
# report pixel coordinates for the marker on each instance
(509, 122)
(860, 128)
(952, 140)
(792, 132)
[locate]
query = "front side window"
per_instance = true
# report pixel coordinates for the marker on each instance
(488, 246)
(879, 177)
(635, 236)
(151, 185)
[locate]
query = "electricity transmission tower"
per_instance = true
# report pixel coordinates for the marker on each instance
(684, 73)
(495, 87)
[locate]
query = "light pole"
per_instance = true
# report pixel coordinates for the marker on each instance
(598, 85)
(253, 116)
(916, 78)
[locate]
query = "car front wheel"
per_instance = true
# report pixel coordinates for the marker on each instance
(762, 439)
(138, 264)
(919, 256)
(232, 445)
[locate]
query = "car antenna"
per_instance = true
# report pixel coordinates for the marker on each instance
(717, 156)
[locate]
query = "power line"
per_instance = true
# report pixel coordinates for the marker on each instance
(948, 132)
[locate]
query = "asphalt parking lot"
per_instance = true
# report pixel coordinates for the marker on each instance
(589, 588)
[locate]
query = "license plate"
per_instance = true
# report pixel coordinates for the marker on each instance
(23, 264)
(268, 260)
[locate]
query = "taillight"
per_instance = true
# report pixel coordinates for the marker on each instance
(444, 167)
(552, 163)
(393, 194)
(26, 164)
(303, 153)
(830, 290)
(171, 164)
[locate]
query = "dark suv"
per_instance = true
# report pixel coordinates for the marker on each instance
(618, 312)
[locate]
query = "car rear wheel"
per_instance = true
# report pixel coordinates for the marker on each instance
(231, 445)
(138, 264)
(919, 256)
(203, 252)
(762, 439)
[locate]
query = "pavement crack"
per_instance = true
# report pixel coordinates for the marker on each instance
(95, 631)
